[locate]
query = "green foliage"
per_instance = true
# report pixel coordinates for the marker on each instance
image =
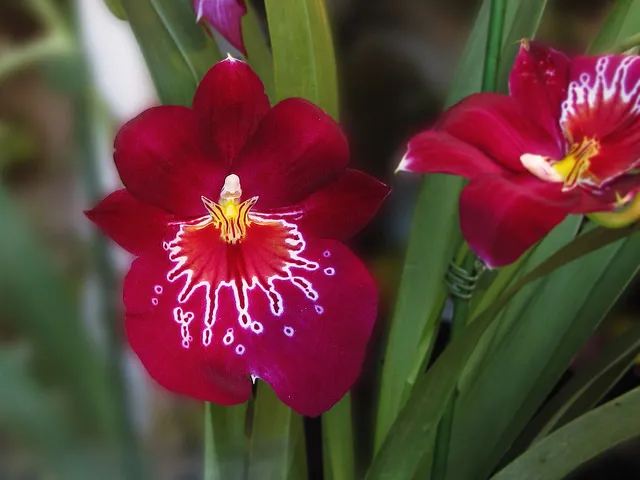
(177, 54)
(554, 457)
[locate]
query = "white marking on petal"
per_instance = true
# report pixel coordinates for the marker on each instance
(319, 309)
(228, 338)
(288, 331)
(240, 349)
(330, 271)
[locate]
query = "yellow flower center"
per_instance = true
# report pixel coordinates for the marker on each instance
(571, 171)
(229, 215)
(574, 168)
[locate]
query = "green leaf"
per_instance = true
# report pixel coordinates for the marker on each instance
(422, 291)
(177, 51)
(115, 6)
(578, 442)
(622, 21)
(584, 390)
(534, 263)
(338, 442)
(275, 431)
(535, 352)
(258, 53)
(225, 449)
(399, 456)
(303, 57)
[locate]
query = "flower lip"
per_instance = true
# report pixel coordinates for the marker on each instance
(572, 171)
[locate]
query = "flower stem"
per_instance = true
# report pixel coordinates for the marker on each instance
(209, 448)
(494, 45)
(458, 322)
(338, 441)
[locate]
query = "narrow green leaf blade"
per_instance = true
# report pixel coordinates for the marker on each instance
(535, 352)
(303, 55)
(584, 390)
(177, 52)
(273, 437)
(622, 21)
(578, 442)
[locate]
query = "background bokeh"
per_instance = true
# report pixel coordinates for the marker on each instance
(70, 74)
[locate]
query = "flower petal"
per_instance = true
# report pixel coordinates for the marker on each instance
(603, 102)
(296, 312)
(230, 103)
(538, 81)
(502, 216)
(433, 151)
(134, 225)
(342, 208)
(497, 125)
(296, 150)
(154, 323)
(225, 16)
(316, 361)
(161, 162)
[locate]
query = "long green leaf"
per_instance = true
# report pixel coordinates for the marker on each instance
(622, 21)
(258, 53)
(274, 434)
(534, 354)
(422, 292)
(225, 445)
(177, 52)
(303, 57)
(578, 442)
(584, 390)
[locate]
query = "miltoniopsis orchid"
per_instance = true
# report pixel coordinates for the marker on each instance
(565, 141)
(225, 16)
(236, 212)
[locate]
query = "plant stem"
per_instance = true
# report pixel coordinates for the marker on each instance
(338, 442)
(209, 447)
(494, 45)
(443, 436)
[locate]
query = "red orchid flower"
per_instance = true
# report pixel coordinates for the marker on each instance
(236, 212)
(225, 16)
(565, 141)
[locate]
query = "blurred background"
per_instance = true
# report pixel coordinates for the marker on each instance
(70, 75)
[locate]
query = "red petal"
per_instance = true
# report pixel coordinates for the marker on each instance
(230, 103)
(538, 81)
(341, 209)
(133, 225)
(225, 16)
(502, 216)
(497, 125)
(160, 160)
(296, 150)
(203, 315)
(438, 152)
(154, 332)
(311, 370)
(603, 102)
